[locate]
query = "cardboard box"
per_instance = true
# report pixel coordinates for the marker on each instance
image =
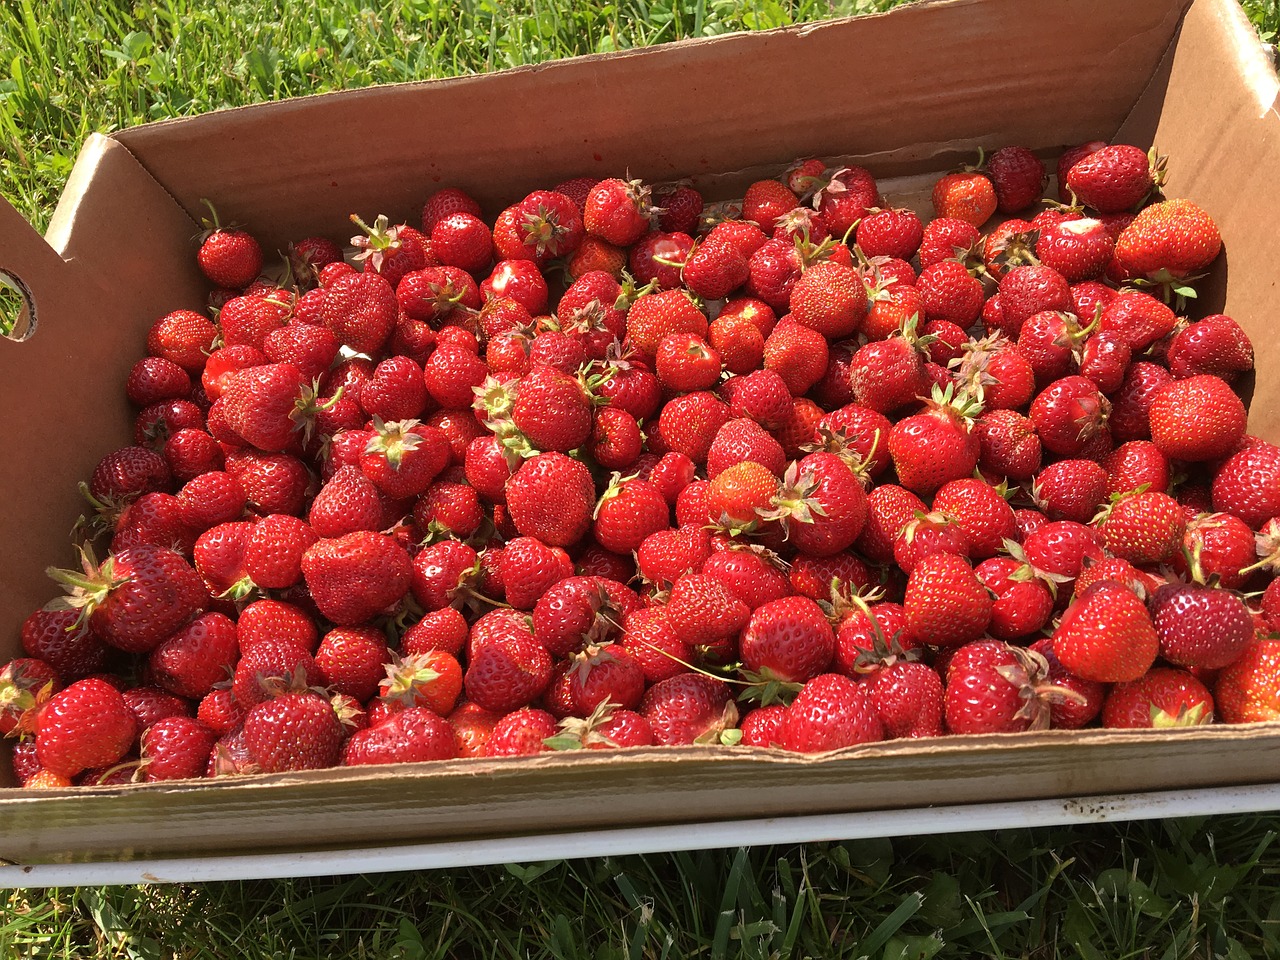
(907, 94)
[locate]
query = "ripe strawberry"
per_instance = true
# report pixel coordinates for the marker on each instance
(1106, 635)
(1200, 626)
(684, 362)
(1070, 415)
(176, 748)
(521, 733)
(796, 353)
(1247, 691)
(1168, 242)
(773, 271)
(714, 269)
(228, 257)
(127, 473)
(1216, 345)
(1105, 360)
(889, 509)
(628, 512)
(462, 240)
(704, 612)
(437, 294)
(444, 202)
(831, 712)
(361, 309)
(688, 708)
(1248, 484)
(431, 679)
(412, 735)
(1219, 545)
(811, 576)
(908, 696)
(689, 424)
(1070, 490)
(829, 298)
(787, 641)
(926, 534)
(936, 446)
(751, 576)
(1198, 418)
(551, 497)
(528, 567)
(1131, 404)
(980, 511)
(618, 211)
(999, 368)
(655, 316)
(992, 687)
(965, 195)
(945, 603)
(277, 620)
(190, 453)
(184, 337)
(887, 374)
(294, 731)
(1061, 547)
(1137, 317)
(507, 667)
(1077, 249)
(87, 724)
(890, 233)
(821, 505)
(1023, 598)
(357, 576)
(196, 657)
(949, 292)
(72, 649)
(1162, 697)
(449, 510)
(1114, 178)
(1008, 444)
(681, 208)
(1018, 177)
(1143, 527)
(738, 341)
(845, 198)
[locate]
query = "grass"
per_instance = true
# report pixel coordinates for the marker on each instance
(1164, 890)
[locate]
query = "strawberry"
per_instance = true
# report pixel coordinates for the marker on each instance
(936, 446)
(796, 353)
(980, 511)
(889, 509)
(1131, 404)
(444, 202)
(1077, 249)
(413, 735)
(183, 337)
(1138, 318)
(773, 271)
(197, 656)
(71, 648)
(749, 575)
(688, 708)
(431, 679)
(618, 211)
(811, 576)
(786, 641)
(153, 379)
(228, 257)
(1023, 598)
(704, 612)
(1215, 345)
(462, 240)
(272, 482)
(361, 309)
(628, 512)
(551, 497)
(831, 712)
(890, 233)
(929, 533)
(1008, 445)
(949, 292)
(1070, 490)
(1161, 697)
(190, 453)
(714, 269)
(507, 667)
(1168, 242)
(765, 201)
(689, 424)
(1115, 178)
(127, 473)
(679, 208)
(1105, 360)
(87, 724)
(1198, 418)
(1219, 545)
(821, 505)
(829, 298)
(992, 687)
(1061, 547)
(1248, 484)
(521, 733)
(527, 567)
(517, 281)
(684, 362)
(294, 731)
(1106, 635)
(136, 598)
(1000, 368)
(357, 576)
(274, 619)
(845, 198)
(247, 321)
(965, 195)
(1018, 177)
(176, 748)
(1143, 527)
(1070, 415)
(449, 509)
(1200, 626)
(655, 316)
(887, 374)
(738, 341)
(1247, 690)
(351, 659)
(945, 603)
(437, 293)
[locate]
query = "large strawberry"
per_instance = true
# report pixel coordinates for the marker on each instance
(938, 445)
(361, 308)
(551, 497)
(945, 603)
(787, 641)
(1200, 626)
(86, 725)
(551, 409)
(1107, 635)
(831, 712)
(1168, 242)
(294, 731)
(357, 576)
(1198, 418)
(1249, 689)
(821, 505)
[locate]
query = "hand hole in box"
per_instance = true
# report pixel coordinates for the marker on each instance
(17, 308)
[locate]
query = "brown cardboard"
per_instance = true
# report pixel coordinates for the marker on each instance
(907, 93)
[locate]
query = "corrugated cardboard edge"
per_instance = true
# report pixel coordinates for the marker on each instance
(587, 790)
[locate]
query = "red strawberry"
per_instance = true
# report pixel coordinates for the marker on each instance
(361, 309)
(1200, 626)
(908, 696)
(462, 240)
(1249, 690)
(740, 441)
(1070, 415)
(689, 424)
(87, 724)
(1000, 368)
(1070, 490)
(1215, 345)
(1138, 318)
(845, 198)
(1077, 249)
(965, 195)
(1023, 598)
(1018, 177)
(294, 731)
(228, 257)
(551, 497)
(1114, 178)
(444, 202)
(821, 505)
(618, 211)
(936, 446)
(357, 576)
(749, 575)
(413, 735)
(1105, 360)
(1162, 697)
(992, 687)
(704, 612)
(831, 712)
(196, 657)
(1008, 445)
(276, 620)
(1131, 404)
(890, 233)
(627, 513)
(521, 733)
(1168, 242)
(681, 208)
(945, 603)
(688, 708)
(176, 748)
(1106, 635)
(980, 511)
(136, 598)
(1062, 547)
(787, 641)
(887, 374)
(1220, 545)
(1248, 484)
(1143, 527)
(184, 337)
(949, 292)
(829, 298)
(72, 649)
(1198, 418)
(273, 556)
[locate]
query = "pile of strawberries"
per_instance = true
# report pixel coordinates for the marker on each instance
(618, 469)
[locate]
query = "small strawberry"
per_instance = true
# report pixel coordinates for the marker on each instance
(629, 511)
(845, 198)
(1162, 697)
(464, 241)
(797, 353)
(1138, 318)
(228, 257)
(949, 292)
(1023, 597)
(685, 362)
(1018, 177)
(938, 445)
(831, 712)
(87, 724)
(945, 603)
(176, 748)
(689, 424)
(1142, 527)
(965, 195)
(184, 337)
(992, 687)
(688, 708)
(618, 211)
(294, 731)
(1115, 178)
